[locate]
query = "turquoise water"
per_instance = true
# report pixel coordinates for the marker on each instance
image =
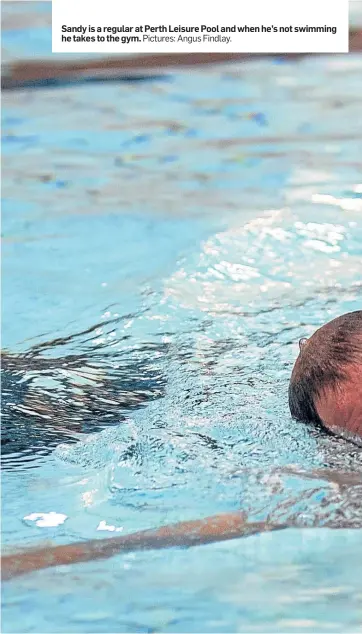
(165, 246)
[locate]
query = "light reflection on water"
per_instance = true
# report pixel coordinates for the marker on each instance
(166, 245)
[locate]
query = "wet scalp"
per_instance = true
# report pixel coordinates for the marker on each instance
(324, 362)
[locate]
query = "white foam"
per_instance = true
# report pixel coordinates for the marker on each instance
(103, 526)
(46, 520)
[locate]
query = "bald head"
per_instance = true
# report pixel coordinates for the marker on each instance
(326, 383)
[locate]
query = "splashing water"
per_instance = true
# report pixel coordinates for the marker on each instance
(159, 270)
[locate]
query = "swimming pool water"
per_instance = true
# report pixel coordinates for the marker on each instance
(165, 246)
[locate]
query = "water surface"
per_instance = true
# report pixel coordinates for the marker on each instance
(165, 246)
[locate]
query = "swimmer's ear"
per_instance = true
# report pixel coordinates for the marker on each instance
(302, 343)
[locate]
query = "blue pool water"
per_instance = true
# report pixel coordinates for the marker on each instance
(165, 246)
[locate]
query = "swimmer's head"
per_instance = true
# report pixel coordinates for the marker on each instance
(326, 383)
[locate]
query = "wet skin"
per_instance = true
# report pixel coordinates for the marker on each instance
(338, 405)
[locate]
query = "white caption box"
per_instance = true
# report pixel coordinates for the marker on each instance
(260, 26)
